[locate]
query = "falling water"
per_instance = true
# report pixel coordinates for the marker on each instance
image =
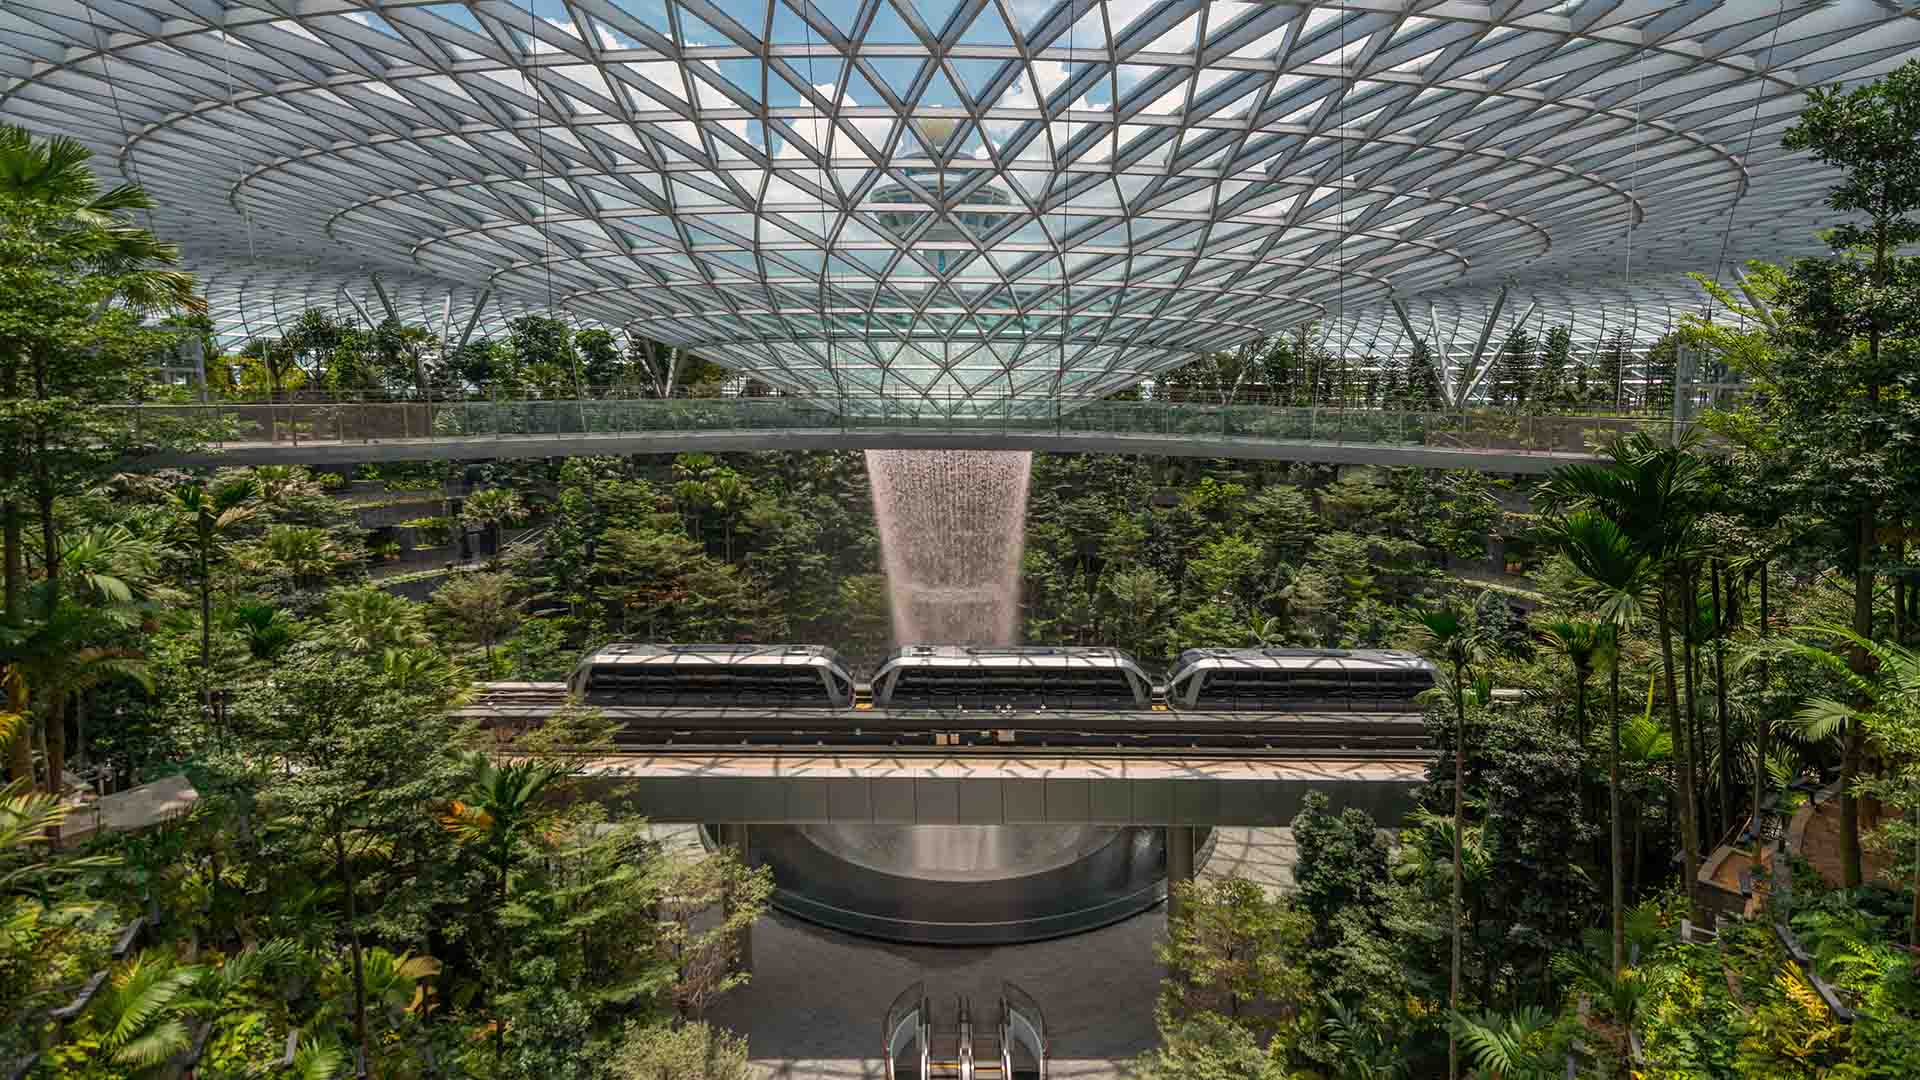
(952, 527)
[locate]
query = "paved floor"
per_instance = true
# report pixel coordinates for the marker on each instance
(813, 1010)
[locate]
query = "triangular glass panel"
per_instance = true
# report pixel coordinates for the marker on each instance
(939, 91)
(889, 28)
(695, 32)
(859, 91)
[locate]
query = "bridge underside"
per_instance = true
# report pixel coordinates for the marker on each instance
(1023, 788)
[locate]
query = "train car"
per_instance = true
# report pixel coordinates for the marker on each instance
(1010, 677)
(796, 676)
(1298, 680)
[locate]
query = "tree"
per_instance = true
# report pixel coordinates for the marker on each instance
(1842, 401)
(403, 349)
(1655, 495)
(1609, 383)
(695, 1051)
(1447, 638)
(76, 277)
(1662, 371)
(543, 349)
(703, 951)
(1581, 642)
(495, 816)
(1885, 716)
(1617, 582)
(210, 513)
(1512, 378)
(482, 605)
(1341, 863)
(1235, 952)
(1550, 381)
(369, 620)
(1423, 378)
(601, 364)
(360, 757)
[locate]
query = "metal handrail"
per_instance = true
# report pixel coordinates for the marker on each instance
(909, 1005)
(1018, 1005)
(366, 422)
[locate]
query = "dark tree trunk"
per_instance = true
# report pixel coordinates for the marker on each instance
(56, 742)
(1459, 862)
(1613, 818)
(1763, 727)
(1689, 839)
(1853, 740)
(344, 867)
(1720, 705)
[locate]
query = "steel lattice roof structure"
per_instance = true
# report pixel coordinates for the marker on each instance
(956, 199)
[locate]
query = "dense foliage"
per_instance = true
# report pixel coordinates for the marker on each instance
(1648, 662)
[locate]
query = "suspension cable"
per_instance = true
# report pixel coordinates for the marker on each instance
(119, 115)
(1746, 154)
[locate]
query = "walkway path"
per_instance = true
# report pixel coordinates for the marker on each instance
(346, 432)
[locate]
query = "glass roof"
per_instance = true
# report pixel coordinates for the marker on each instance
(946, 198)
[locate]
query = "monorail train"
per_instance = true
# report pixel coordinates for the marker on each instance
(1011, 677)
(1031, 678)
(1298, 680)
(670, 675)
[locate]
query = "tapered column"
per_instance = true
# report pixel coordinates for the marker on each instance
(1179, 865)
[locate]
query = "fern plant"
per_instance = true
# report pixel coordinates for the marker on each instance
(1516, 1046)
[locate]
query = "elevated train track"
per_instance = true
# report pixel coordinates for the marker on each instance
(982, 795)
(515, 707)
(961, 700)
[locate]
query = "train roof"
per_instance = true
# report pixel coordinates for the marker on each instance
(1025, 656)
(1343, 659)
(699, 655)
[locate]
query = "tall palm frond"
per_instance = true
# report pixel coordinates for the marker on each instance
(1364, 1053)
(1511, 1047)
(140, 1012)
(1890, 691)
(1591, 971)
(317, 1060)
(25, 820)
(112, 564)
(48, 182)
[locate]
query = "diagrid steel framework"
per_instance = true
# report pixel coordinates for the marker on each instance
(955, 200)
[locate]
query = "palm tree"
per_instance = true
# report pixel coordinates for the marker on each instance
(1581, 641)
(495, 813)
(370, 620)
(305, 553)
(141, 1015)
(267, 629)
(1655, 495)
(27, 819)
(1617, 581)
(58, 657)
(1446, 638)
(210, 513)
(76, 241)
(1888, 716)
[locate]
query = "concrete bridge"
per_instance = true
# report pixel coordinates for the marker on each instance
(344, 431)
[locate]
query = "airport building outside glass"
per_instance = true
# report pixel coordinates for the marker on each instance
(956, 200)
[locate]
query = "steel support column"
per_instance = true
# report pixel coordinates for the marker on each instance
(1179, 866)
